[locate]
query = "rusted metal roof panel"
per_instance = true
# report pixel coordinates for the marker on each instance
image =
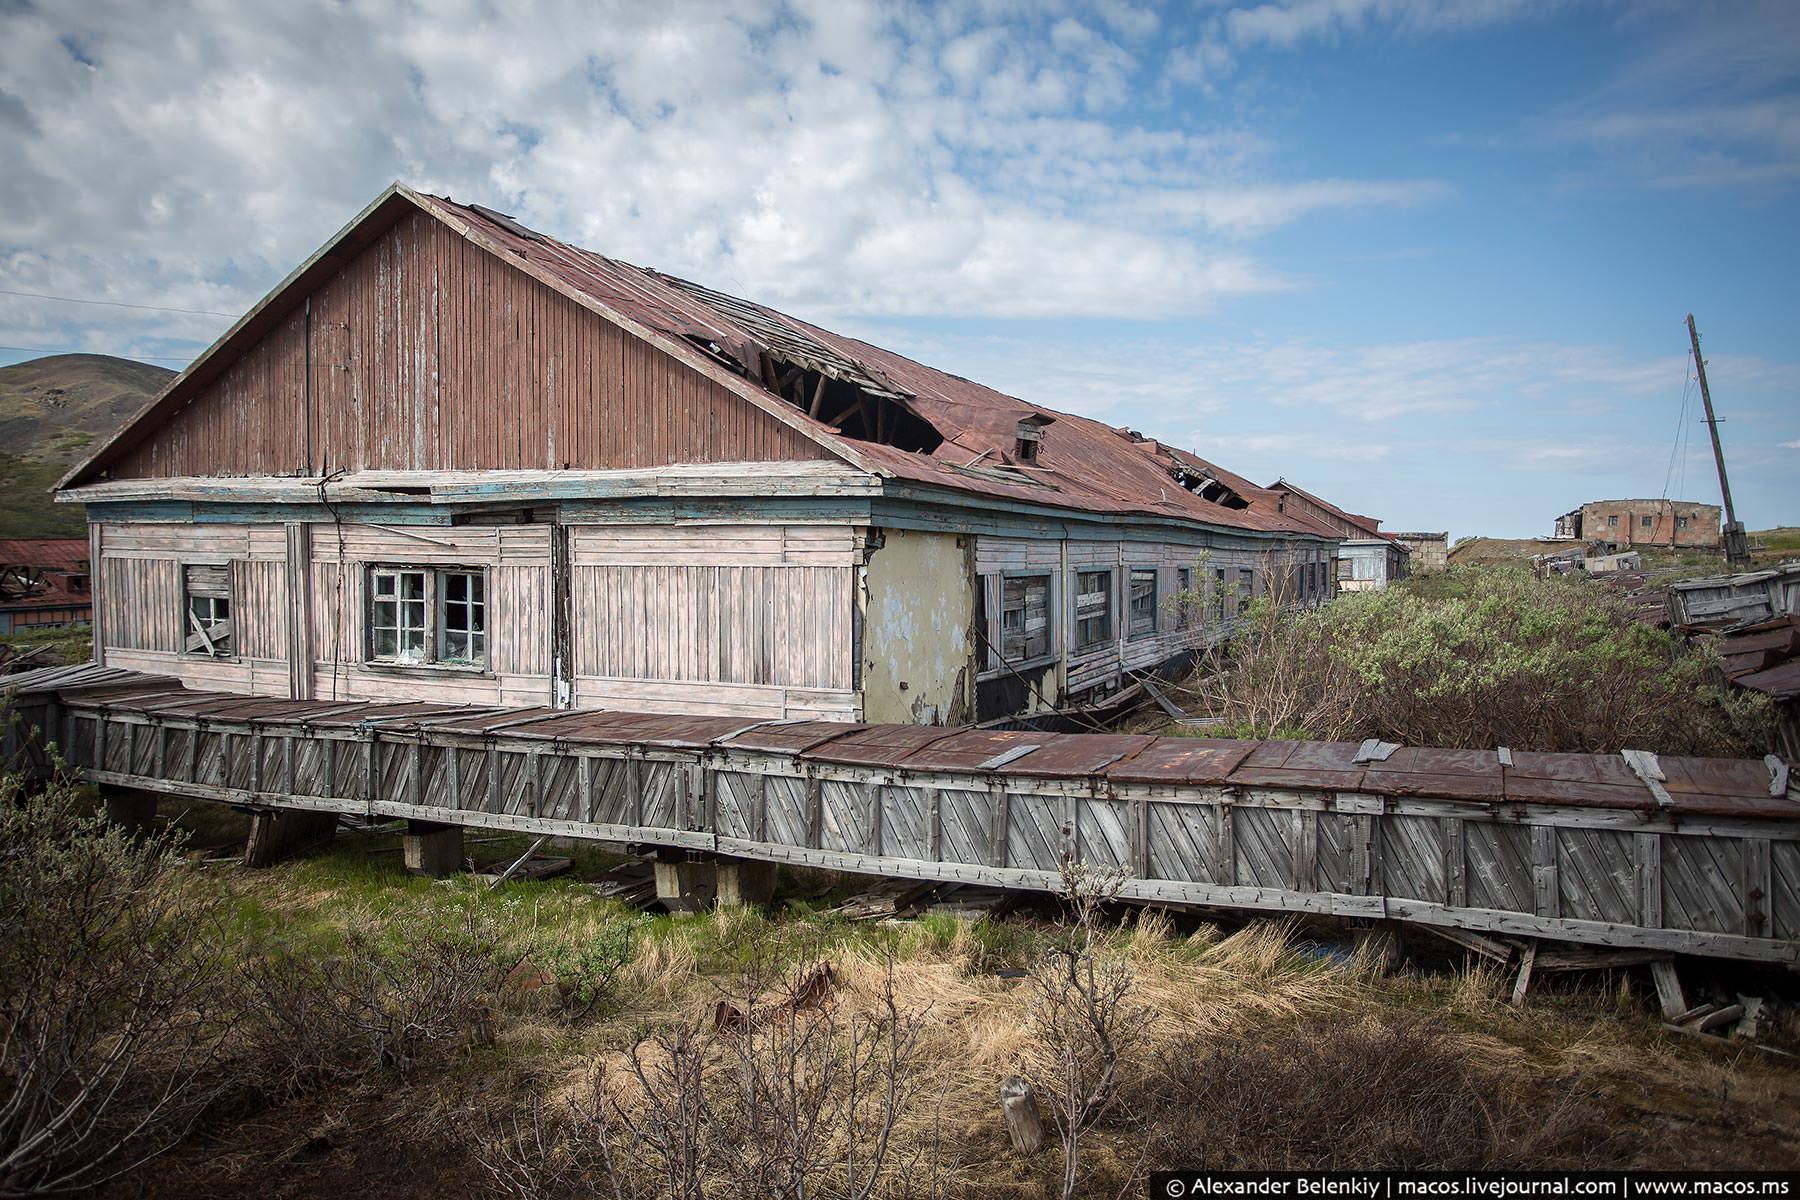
(1541, 778)
(879, 745)
(1311, 766)
(1452, 774)
(1074, 755)
(1199, 761)
(968, 749)
(794, 738)
(645, 729)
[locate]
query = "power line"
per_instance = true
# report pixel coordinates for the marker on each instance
(192, 312)
(77, 350)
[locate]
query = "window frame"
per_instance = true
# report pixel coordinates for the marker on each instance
(1132, 574)
(997, 647)
(1184, 598)
(1108, 634)
(433, 605)
(189, 617)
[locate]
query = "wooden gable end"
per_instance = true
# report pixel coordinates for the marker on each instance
(426, 352)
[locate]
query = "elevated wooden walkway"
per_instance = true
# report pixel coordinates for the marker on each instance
(1704, 860)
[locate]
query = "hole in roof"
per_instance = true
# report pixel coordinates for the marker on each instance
(1207, 488)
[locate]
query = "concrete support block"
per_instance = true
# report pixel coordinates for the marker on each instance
(746, 881)
(284, 832)
(432, 849)
(129, 808)
(684, 886)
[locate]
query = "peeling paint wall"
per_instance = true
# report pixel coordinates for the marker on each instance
(918, 599)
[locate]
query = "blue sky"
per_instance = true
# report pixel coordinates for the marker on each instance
(1430, 259)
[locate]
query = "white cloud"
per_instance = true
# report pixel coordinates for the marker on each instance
(1289, 22)
(836, 157)
(1793, 445)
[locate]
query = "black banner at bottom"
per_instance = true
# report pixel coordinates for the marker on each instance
(1483, 1185)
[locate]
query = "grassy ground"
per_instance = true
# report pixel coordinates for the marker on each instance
(1267, 1045)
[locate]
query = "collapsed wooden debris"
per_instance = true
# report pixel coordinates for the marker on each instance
(898, 899)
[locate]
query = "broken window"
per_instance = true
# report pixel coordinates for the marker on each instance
(1093, 608)
(1681, 522)
(1246, 587)
(1219, 591)
(1143, 601)
(1025, 617)
(208, 607)
(419, 616)
(1184, 597)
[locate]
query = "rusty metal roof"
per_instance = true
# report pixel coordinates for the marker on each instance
(1081, 464)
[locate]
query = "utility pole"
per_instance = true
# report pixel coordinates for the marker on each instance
(1737, 546)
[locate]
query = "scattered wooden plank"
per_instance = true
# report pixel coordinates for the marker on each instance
(1668, 989)
(1526, 963)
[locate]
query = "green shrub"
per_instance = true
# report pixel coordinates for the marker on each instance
(1481, 657)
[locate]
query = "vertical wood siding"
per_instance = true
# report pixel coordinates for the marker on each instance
(429, 353)
(141, 606)
(259, 607)
(762, 614)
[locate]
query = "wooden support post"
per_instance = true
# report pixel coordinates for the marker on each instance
(1669, 995)
(1546, 891)
(1649, 879)
(1526, 963)
(282, 833)
(428, 848)
(1024, 1123)
(1002, 817)
(1757, 882)
(684, 885)
(1456, 862)
(745, 881)
(1225, 868)
(1306, 849)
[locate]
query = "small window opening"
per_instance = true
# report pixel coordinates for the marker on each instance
(1093, 608)
(208, 609)
(1143, 601)
(1025, 617)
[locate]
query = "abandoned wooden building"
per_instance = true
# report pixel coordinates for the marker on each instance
(451, 456)
(1368, 559)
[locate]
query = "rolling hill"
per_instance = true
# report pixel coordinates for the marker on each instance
(52, 412)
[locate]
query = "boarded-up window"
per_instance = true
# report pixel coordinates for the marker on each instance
(1345, 570)
(1093, 608)
(419, 616)
(208, 594)
(1025, 617)
(1143, 601)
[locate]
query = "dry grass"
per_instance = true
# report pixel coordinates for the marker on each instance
(1581, 1074)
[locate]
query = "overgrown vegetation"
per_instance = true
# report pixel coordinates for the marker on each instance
(1479, 657)
(333, 1026)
